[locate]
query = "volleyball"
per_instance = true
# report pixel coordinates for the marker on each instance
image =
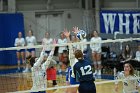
(81, 35)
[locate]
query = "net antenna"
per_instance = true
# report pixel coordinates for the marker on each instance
(115, 37)
(115, 34)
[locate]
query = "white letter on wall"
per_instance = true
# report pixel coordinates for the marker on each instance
(109, 21)
(136, 24)
(126, 24)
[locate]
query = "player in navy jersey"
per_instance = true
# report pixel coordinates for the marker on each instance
(83, 73)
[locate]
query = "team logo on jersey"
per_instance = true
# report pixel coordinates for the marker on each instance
(125, 83)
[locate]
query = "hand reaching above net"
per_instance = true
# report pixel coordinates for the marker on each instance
(75, 30)
(66, 33)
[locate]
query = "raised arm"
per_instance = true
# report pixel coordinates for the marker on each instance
(72, 58)
(71, 52)
(40, 59)
(47, 62)
(75, 30)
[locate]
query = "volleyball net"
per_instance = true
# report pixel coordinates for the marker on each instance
(20, 82)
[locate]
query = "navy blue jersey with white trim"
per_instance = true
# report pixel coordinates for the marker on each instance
(83, 71)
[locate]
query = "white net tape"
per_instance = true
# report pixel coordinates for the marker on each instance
(103, 41)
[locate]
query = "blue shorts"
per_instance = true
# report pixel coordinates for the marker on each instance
(21, 50)
(69, 78)
(73, 81)
(31, 49)
(87, 87)
(47, 52)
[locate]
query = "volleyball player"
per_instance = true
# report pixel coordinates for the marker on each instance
(47, 41)
(74, 39)
(39, 70)
(70, 78)
(129, 86)
(84, 46)
(51, 71)
(62, 40)
(20, 42)
(83, 73)
(96, 52)
(31, 41)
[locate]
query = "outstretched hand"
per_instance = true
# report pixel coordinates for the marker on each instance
(66, 33)
(75, 30)
(54, 41)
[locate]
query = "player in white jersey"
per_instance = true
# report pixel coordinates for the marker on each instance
(20, 42)
(51, 71)
(74, 39)
(39, 70)
(70, 78)
(84, 46)
(96, 52)
(130, 85)
(30, 41)
(47, 41)
(62, 40)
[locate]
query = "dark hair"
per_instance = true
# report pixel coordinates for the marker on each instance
(92, 35)
(125, 51)
(31, 31)
(78, 54)
(30, 60)
(47, 32)
(131, 69)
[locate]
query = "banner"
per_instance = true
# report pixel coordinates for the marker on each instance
(10, 25)
(124, 22)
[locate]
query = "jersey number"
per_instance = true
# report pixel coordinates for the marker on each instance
(86, 70)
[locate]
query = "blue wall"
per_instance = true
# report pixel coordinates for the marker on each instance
(10, 25)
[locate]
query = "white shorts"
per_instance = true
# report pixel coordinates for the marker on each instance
(96, 51)
(61, 50)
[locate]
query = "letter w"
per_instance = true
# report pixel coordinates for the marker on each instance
(109, 21)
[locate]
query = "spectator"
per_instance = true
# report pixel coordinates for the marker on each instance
(31, 41)
(96, 52)
(61, 50)
(20, 42)
(129, 86)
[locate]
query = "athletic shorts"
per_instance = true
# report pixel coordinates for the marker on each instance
(51, 74)
(47, 52)
(31, 49)
(70, 78)
(21, 50)
(96, 50)
(87, 87)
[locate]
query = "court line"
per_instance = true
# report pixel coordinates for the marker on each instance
(62, 87)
